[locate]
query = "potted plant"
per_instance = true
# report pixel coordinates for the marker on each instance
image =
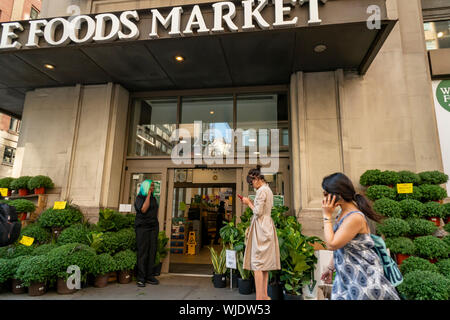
(446, 213)
(103, 265)
(389, 178)
(388, 208)
(393, 227)
(444, 267)
(275, 287)
(8, 269)
(370, 178)
(6, 183)
(39, 184)
(60, 219)
(34, 230)
(245, 281)
(161, 252)
(77, 233)
(433, 177)
(21, 184)
(415, 195)
(425, 285)
(447, 227)
(433, 211)
(220, 268)
(125, 261)
(377, 192)
(432, 192)
(420, 227)
(34, 272)
(431, 248)
(416, 264)
(406, 176)
(23, 207)
(233, 237)
(402, 247)
(411, 208)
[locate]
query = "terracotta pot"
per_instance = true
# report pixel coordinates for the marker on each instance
(61, 287)
(101, 281)
(433, 260)
(23, 192)
(40, 190)
(22, 216)
(37, 289)
(124, 276)
(9, 193)
(447, 220)
(17, 287)
(401, 257)
(436, 220)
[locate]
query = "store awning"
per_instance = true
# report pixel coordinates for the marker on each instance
(262, 57)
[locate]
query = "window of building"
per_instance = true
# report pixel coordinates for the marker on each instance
(437, 34)
(8, 155)
(34, 13)
(14, 125)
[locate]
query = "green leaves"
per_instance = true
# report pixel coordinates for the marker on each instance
(77, 233)
(20, 183)
(425, 285)
(39, 182)
(388, 208)
(34, 269)
(245, 274)
(60, 218)
(401, 245)
(393, 227)
(218, 261)
(22, 205)
(40, 234)
(377, 192)
(125, 260)
(103, 264)
(430, 247)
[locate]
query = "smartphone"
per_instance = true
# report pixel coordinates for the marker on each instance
(338, 197)
(240, 197)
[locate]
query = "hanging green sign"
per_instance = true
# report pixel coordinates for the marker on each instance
(157, 185)
(443, 94)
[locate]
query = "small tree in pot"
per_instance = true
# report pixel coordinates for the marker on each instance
(403, 247)
(34, 272)
(433, 177)
(103, 265)
(411, 208)
(21, 184)
(60, 219)
(40, 183)
(125, 261)
(22, 207)
(220, 267)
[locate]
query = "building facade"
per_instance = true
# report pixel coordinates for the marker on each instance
(19, 9)
(345, 95)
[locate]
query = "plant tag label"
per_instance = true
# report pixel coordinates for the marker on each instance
(4, 192)
(125, 207)
(27, 241)
(404, 188)
(60, 205)
(231, 259)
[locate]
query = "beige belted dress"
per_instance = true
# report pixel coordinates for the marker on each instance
(262, 251)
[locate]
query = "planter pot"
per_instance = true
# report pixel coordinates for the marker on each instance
(288, 296)
(9, 193)
(112, 277)
(37, 289)
(275, 291)
(436, 220)
(157, 269)
(40, 190)
(245, 286)
(23, 192)
(17, 287)
(101, 281)
(124, 276)
(22, 216)
(401, 257)
(61, 287)
(219, 280)
(433, 260)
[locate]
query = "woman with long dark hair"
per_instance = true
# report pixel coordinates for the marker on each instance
(359, 272)
(262, 252)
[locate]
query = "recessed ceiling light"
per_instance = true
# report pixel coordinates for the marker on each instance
(440, 34)
(320, 48)
(251, 140)
(211, 112)
(179, 58)
(49, 66)
(256, 152)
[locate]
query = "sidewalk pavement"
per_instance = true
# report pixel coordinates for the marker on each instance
(171, 287)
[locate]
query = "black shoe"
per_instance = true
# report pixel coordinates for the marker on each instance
(153, 280)
(140, 284)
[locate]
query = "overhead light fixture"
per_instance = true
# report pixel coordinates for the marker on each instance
(320, 48)
(211, 112)
(256, 152)
(251, 140)
(49, 66)
(440, 34)
(179, 58)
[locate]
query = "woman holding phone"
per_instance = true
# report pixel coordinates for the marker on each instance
(262, 252)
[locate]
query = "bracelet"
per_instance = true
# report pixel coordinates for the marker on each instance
(331, 269)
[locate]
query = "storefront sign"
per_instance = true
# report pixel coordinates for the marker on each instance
(278, 200)
(157, 190)
(443, 94)
(107, 27)
(404, 188)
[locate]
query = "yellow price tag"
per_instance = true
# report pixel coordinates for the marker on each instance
(59, 205)
(405, 188)
(27, 241)
(4, 192)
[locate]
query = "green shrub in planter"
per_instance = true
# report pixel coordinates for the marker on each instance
(19, 250)
(408, 177)
(411, 208)
(125, 260)
(432, 192)
(393, 227)
(377, 192)
(113, 242)
(34, 269)
(70, 254)
(44, 249)
(446, 239)
(370, 178)
(430, 247)
(8, 267)
(425, 285)
(388, 208)
(446, 210)
(20, 183)
(401, 245)
(415, 195)
(444, 267)
(447, 227)
(389, 178)
(432, 209)
(34, 230)
(6, 182)
(421, 227)
(131, 218)
(60, 218)
(111, 220)
(416, 264)
(433, 177)
(77, 233)
(22, 205)
(39, 182)
(103, 264)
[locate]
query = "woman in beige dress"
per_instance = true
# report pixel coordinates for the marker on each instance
(262, 252)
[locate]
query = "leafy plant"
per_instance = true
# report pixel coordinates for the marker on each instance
(430, 247)
(34, 269)
(446, 239)
(421, 227)
(8, 267)
(425, 285)
(162, 250)
(39, 182)
(245, 274)
(20, 183)
(76, 233)
(415, 195)
(411, 208)
(44, 249)
(432, 209)
(60, 218)
(370, 178)
(432, 192)
(408, 177)
(389, 178)
(444, 267)
(6, 182)
(446, 210)
(401, 245)
(447, 227)
(125, 260)
(218, 260)
(230, 235)
(34, 230)
(388, 208)
(378, 191)
(433, 177)
(393, 227)
(18, 250)
(113, 242)
(103, 264)
(22, 205)
(416, 264)
(95, 240)
(111, 220)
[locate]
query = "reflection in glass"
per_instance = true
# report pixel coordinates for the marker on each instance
(437, 34)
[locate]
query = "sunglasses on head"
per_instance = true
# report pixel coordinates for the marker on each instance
(250, 179)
